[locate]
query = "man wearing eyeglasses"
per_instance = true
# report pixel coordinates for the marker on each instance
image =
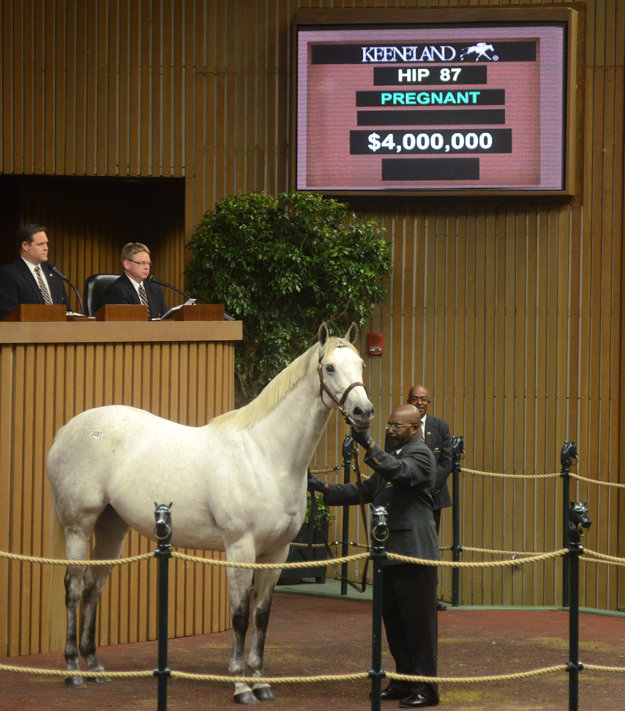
(133, 286)
(402, 482)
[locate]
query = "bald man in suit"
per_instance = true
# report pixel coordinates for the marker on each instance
(402, 482)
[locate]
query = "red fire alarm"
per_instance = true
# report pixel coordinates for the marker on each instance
(375, 344)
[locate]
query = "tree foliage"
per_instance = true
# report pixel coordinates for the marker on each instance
(283, 265)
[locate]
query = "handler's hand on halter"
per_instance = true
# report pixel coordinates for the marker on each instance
(315, 484)
(363, 437)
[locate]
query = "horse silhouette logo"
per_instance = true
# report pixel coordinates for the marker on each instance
(481, 49)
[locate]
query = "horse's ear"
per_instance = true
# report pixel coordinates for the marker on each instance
(352, 333)
(323, 334)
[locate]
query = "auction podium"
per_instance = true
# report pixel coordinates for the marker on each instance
(50, 370)
(38, 312)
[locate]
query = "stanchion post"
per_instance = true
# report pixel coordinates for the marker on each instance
(379, 535)
(576, 521)
(457, 448)
(162, 531)
(567, 454)
(348, 451)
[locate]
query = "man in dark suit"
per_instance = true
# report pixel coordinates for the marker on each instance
(402, 482)
(28, 279)
(435, 433)
(133, 286)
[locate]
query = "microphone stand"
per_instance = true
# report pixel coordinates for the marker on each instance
(169, 286)
(59, 273)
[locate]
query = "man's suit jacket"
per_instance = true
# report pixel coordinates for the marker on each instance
(438, 439)
(122, 291)
(402, 483)
(19, 286)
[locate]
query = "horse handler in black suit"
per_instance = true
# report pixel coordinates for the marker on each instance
(133, 286)
(402, 482)
(28, 279)
(435, 433)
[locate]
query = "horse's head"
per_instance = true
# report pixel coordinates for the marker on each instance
(162, 517)
(568, 454)
(340, 377)
(578, 520)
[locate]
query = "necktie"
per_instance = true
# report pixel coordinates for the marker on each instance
(423, 431)
(42, 286)
(143, 297)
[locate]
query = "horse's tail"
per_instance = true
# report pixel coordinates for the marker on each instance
(56, 551)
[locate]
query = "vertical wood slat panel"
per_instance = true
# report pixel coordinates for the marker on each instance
(33, 594)
(557, 371)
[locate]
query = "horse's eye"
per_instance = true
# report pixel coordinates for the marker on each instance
(329, 368)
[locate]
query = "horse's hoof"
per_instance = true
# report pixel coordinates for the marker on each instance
(263, 693)
(245, 697)
(74, 681)
(98, 679)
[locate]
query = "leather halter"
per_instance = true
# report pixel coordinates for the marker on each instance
(323, 388)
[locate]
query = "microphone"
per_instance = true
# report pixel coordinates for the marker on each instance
(227, 317)
(169, 286)
(59, 273)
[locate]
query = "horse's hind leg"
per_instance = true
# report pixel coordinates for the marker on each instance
(77, 539)
(74, 585)
(110, 532)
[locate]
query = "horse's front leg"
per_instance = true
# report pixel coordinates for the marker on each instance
(240, 582)
(264, 583)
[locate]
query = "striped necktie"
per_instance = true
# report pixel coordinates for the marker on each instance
(42, 286)
(143, 297)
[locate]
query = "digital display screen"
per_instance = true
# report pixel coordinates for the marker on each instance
(445, 107)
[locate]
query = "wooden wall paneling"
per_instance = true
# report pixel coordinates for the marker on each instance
(58, 44)
(477, 397)
(505, 403)
(156, 118)
(6, 406)
(467, 408)
(104, 92)
(111, 20)
(199, 150)
(593, 314)
(130, 64)
(613, 225)
(27, 138)
(17, 496)
(123, 92)
(11, 97)
(618, 576)
(144, 62)
(78, 153)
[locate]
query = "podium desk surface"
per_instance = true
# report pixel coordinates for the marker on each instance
(83, 331)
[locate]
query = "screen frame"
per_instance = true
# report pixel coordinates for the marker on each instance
(342, 19)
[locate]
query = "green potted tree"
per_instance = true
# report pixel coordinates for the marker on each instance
(283, 265)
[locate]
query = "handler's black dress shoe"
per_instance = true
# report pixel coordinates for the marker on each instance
(392, 693)
(417, 701)
(440, 605)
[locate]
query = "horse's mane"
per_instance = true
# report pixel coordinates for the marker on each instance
(277, 389)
